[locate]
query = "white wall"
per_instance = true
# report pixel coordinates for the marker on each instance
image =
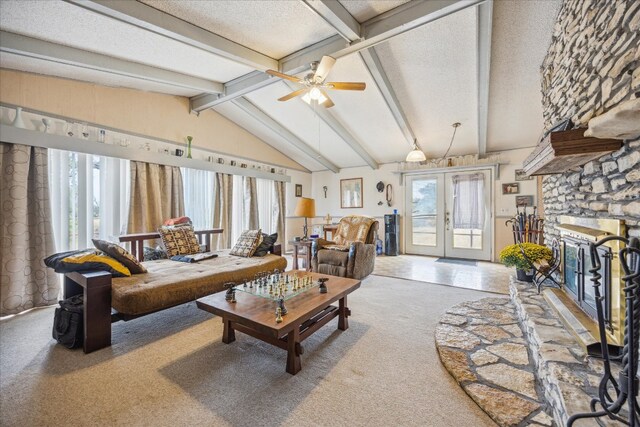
(504, 204)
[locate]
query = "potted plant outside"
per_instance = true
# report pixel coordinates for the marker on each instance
(511, 256)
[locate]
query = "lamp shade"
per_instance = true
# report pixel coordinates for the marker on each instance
(416, 154)
(306, 207)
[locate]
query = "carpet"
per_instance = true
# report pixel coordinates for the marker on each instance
(469, 262)
(171, 368)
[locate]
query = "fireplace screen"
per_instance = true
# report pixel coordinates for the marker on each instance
(577, 278)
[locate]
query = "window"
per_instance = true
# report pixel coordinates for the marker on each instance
(89, 198)
(198, 197)
(267, 209)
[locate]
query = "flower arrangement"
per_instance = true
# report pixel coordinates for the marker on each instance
(511, 256)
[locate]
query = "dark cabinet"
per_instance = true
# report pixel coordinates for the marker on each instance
(391, 235)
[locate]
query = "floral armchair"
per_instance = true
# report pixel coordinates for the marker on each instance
(352, 253)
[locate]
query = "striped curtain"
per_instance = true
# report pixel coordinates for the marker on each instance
(250, 203)
(157, 194)
(280, 210)
(222, 210)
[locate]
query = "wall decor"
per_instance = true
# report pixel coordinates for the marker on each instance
(524, 201)
(325, 188)
(189, 139)
(351, 193)
(298, 190)
(511, 188)
(521, 176)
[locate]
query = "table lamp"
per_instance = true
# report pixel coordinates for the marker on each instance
(306, 208)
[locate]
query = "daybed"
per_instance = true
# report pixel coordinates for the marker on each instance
(166, 284)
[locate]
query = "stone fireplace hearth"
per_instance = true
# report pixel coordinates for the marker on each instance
(517, 360)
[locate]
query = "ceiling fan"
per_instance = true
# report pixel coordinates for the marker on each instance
(314, 89)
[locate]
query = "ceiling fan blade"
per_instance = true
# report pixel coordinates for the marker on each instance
(328, 103)
(283, 76)
(326, 64)
(293, 94)
(346, 85)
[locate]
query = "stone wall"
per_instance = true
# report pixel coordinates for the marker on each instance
(593, 64)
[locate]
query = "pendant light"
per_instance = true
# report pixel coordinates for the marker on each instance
(416, 154)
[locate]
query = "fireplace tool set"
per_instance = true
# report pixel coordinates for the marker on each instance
(626, 386)
(527, 228)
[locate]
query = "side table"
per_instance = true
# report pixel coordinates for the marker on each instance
(302, 249)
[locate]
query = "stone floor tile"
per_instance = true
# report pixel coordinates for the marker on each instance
(489, 332)
(542, 419)
(514, 353)
(514, 379)
(557, 353)
(483, 357)
(507, 409)
(456, 363)
(452, 319)
(454, 336)
(513, 330)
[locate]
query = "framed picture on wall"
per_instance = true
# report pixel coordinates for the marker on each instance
(511, 188)
(351, 193)
(524, 201)
(298, 190)
(521, 176)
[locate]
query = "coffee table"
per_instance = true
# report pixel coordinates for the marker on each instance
(307, 312)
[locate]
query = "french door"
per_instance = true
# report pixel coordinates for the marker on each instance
(449, 214)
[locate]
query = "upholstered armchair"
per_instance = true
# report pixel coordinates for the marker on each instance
(352, 253)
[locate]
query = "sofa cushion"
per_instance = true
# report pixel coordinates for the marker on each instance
(333, 257)
(120, 254)
(267, 242)
(168, 283)
(85, 260)
(247, 243)
(179, 240)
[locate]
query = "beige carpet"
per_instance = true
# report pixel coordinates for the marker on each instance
(172, 369)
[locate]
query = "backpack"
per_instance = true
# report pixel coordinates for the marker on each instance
(68, 322)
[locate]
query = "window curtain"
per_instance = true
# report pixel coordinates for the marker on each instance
(279, 209)
(222, 210)
(250, 210)
(198, 197)
(157, 194)
(468, 203)
(25, 230)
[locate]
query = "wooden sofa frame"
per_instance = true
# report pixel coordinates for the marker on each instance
(95, 286)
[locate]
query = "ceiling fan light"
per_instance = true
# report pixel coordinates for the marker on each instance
(307, 98)
(315, 94)
(416, 154)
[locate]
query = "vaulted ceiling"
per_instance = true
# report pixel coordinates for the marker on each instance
(426, 66)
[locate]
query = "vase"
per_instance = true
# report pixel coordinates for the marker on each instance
(524, 275)
(18, 122)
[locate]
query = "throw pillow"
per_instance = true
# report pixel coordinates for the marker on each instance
(247, 243)
(267, 242)
(151, 254)
(121, 255)
(85, 260)
(179, 240)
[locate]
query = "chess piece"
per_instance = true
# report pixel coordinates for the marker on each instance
(281, 306)
(230, 295)
(323, 287)
(278, 315)
(233, 296)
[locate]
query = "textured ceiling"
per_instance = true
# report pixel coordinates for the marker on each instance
(39, 66)
(238, 116)
(364, 10)
(432, 69)
(520, 38)
(302, 121)
(274, 28)
(70, 25)
(433, 72)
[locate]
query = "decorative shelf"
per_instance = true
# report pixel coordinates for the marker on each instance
(564, 150)
(40, 139)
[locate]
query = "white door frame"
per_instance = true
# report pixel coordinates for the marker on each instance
(439, 249)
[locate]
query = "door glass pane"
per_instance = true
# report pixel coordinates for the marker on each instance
(423, 212)
(468, 210)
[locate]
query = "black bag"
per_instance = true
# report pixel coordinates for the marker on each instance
(68, 322)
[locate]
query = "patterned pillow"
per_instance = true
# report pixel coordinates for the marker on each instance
(120, 254)
(247, 243)
(179, 240)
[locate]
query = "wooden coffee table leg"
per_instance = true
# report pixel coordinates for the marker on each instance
(293, 346)
(229, 334)
(343, 314)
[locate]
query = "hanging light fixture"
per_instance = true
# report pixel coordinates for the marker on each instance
(314, 94)
(416, 154)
